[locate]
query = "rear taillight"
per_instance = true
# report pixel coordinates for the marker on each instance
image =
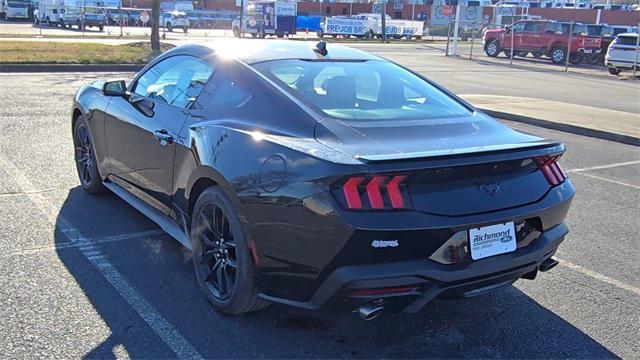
(382, 192)
(551, 170)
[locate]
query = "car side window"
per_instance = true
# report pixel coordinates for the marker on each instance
(532, 27)
(553, 27)
(518, 27)
(176, 81)
(223, 92)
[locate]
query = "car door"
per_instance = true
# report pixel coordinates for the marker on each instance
(519, 36)
(142, 129)
(532, 33)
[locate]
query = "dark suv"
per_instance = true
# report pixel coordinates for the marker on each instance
(542, 37)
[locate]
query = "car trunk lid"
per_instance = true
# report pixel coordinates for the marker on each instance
(452, 167)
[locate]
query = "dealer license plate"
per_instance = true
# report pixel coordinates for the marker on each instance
(492, 240)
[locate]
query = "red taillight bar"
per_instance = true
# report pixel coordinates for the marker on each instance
(382, 291)
(551, 170)
(374, 194)
(351, 194)
(393, 188)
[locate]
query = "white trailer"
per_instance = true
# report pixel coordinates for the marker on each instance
(61, 13)
(370, 25)
(68, 13)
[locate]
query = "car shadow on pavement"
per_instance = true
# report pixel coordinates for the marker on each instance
(507, 323)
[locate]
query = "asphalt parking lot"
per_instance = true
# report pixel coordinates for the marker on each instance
(89, 276)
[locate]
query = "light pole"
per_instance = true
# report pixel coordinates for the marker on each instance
(241, 19)
(456, 27)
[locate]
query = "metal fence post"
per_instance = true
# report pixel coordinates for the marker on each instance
(446, 52)
(566, 63)
(513, 36)
(635, 62)
(473, 36)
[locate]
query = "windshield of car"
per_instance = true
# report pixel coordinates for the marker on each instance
(362, 90)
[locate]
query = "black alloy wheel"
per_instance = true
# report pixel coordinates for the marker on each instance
(84, 159)
(86, 164)
(222, 261)
(217, 261)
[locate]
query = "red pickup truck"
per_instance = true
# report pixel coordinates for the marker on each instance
(541, 37)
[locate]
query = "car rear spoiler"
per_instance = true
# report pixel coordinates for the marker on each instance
(471, 155)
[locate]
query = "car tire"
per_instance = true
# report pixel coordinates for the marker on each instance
(593, 59)
(218, 241)
(575, 58)
(492, 49)
(558, 55)
(614, 71)
(84, 156)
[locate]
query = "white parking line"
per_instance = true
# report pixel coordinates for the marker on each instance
(96, 241)
(165, 331)
(609, 180)
(601, 277)
(602, 166)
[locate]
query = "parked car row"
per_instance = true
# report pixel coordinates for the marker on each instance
(589, 43)
(548, 38)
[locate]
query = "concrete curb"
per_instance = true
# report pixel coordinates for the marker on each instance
(53, 68)
(620, 138)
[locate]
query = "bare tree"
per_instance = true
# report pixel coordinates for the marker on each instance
(155, 27)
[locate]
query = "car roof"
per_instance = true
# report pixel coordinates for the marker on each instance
(252, 51)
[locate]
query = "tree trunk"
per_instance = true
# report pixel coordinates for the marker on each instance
(155, 27)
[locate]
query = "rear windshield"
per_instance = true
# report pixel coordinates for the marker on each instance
(626, 40)
(362, 90)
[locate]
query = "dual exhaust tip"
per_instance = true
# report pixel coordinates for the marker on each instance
(548, 264)
(370, 310)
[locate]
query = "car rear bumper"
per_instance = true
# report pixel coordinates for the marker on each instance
(619, 64)
(425, 280)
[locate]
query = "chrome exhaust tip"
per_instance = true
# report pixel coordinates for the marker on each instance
(370, 311)
(548, 264)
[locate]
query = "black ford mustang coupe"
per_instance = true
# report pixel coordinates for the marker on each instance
(322, 177)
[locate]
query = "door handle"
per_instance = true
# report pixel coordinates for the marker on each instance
(163, 137)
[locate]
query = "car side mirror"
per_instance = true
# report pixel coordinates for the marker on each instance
(115, 88)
